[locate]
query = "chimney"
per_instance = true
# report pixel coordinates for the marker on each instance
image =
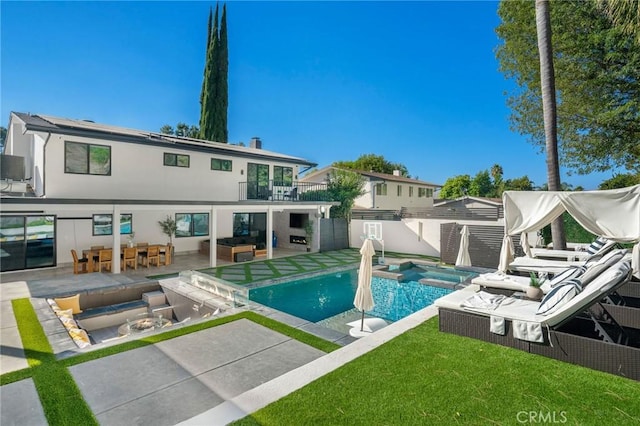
(396, 172)
(255, 143)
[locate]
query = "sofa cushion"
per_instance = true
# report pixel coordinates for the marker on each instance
(72, 302)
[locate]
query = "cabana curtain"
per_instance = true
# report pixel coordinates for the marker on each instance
(613, 214)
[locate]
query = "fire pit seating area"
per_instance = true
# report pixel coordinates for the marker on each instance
(232, 249)
(84, 314)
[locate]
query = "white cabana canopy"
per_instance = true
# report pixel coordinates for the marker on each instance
(612, 214)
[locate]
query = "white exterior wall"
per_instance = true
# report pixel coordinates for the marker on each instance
(392, 201)
(366, 200)
(405, 237)
(138, 172)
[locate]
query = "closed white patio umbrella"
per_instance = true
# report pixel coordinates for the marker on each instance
(463, 258)
(364, 298)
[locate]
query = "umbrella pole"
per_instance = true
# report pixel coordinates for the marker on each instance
(362, 322)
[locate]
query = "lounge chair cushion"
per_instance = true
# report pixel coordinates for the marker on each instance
(569, 273)
(559, 296)
(72, 302)
(595, 246)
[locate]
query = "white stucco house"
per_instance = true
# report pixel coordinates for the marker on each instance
(385, 191)
(68, 183)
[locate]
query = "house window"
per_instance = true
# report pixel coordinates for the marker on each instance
(282, 176)
(399, 190)
(87, 159)
(411, 191)
(176, 160)
(425, 192)
(103, 224)
(381, 189)
(219, 164)
(192, 224)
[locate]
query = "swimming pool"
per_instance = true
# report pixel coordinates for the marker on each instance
(324, 296)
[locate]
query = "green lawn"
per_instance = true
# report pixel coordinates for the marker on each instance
(428, 377)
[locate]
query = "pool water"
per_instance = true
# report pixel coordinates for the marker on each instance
(313, 299)
(437, 273)
(320, 297)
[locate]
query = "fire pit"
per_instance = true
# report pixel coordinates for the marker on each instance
(143, 324)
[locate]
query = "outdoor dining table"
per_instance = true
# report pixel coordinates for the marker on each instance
(93, 253)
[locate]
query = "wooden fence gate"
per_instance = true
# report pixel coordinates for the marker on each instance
(334, 234)
(485, 242)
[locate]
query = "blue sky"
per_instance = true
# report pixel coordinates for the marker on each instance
(415, 82)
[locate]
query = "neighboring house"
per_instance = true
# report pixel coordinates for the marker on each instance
(64, 181)
(384, 191)
(469, 202)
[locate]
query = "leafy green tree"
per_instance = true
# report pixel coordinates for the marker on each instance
(344, 186)
(481, 185)
(373, 163)
(3, 136)
(167, 130)
(181, 129)
(620, 181)
(456, 187)
(518, 184)
(596, 79)
(214, 95)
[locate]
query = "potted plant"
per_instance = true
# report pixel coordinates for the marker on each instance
(169, 228)
(308, 230)
(130, 237)
(533, 291)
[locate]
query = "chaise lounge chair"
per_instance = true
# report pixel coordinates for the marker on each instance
(550, 266)
(590, 268)
(542, 327)
(600, 246)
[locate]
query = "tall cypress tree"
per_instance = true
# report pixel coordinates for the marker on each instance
(214, 95)
(222, 95)
(206, 61)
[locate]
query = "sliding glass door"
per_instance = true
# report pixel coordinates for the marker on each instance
(27, 242)
(257, 181)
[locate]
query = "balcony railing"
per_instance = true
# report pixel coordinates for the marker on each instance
(281, 191)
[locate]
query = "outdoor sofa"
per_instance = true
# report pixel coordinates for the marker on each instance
(228, 248)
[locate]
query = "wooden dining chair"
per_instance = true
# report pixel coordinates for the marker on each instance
(129, 258)
(95, 249)
(79, 265)
(165, 254)
(151, 256)
(104, 259)
(142, 250)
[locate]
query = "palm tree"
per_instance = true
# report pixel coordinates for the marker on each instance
(623, 13)
(548, 87)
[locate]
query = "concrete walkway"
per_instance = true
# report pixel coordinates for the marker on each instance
(208, 377)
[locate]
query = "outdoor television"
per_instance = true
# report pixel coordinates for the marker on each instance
(298, 220)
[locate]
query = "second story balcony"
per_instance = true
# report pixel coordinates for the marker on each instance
(283, 191)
